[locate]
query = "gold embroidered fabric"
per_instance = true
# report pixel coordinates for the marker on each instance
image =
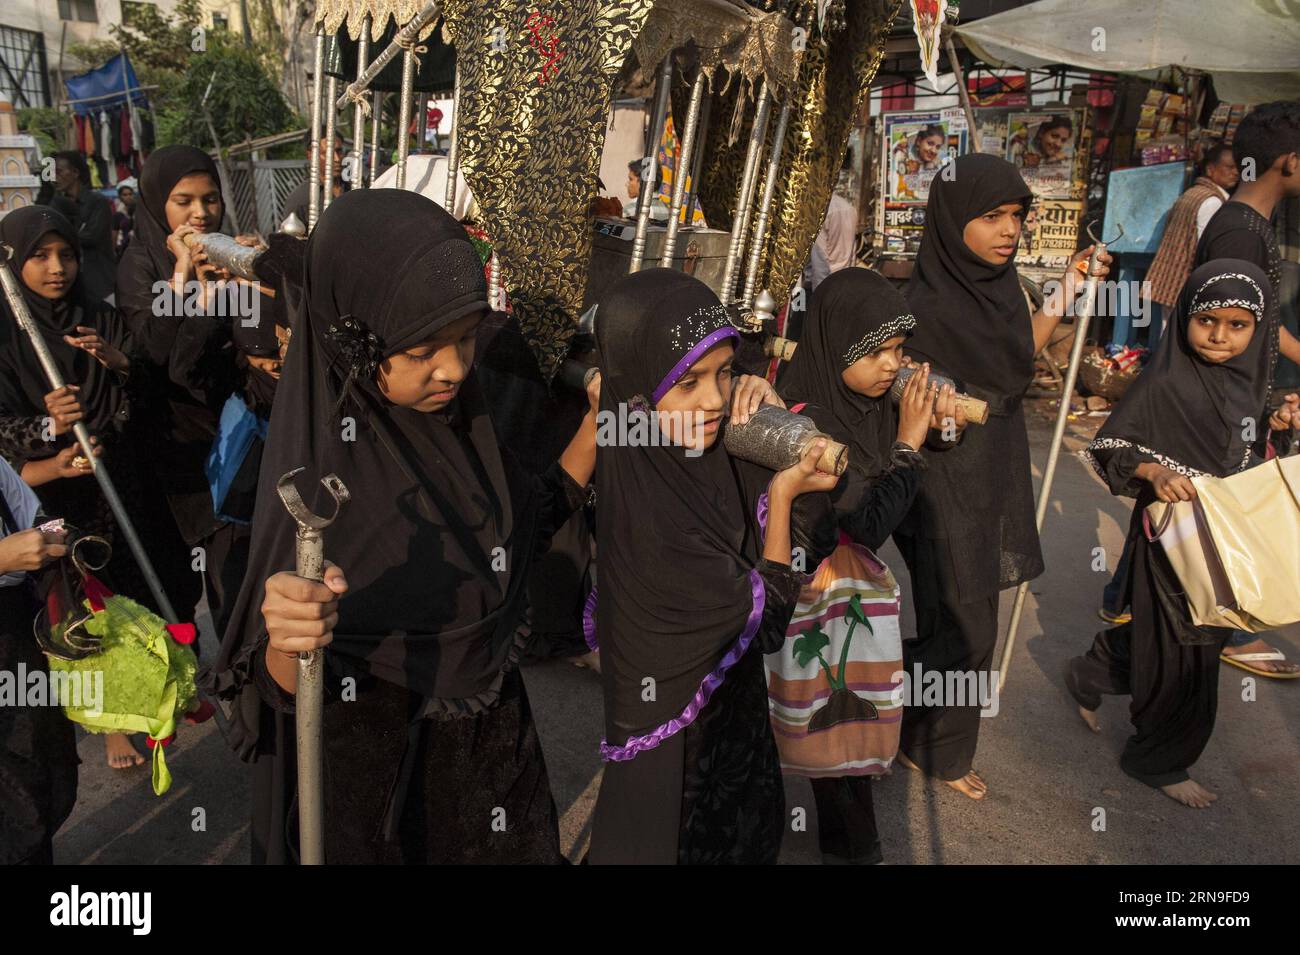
(333, 14)
(835, 73)
(723, 33)
(535, 84)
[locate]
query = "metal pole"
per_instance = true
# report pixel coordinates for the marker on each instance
(331, 129)
(313, 164)
(404, 115)
(1082, 315)
(494, 283)
(359, 114)
(748, 179)
(377, 110)
(700, 132)
(14, 296)
(309, 695)
(765, 205)
(453, 149)
(403, 41)
(683, 168)
(964, 96)
(650, 170)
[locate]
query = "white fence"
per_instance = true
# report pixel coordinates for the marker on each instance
(259, 187)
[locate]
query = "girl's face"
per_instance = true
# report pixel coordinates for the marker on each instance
(51, 268)
(995, 235)
(1220, 333)
(1053, 141)
(873, 374)
(927, 149)
(194, 201)
(427, 376)
(273, 365)
(691, 413)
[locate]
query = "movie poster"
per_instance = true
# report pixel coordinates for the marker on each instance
(1045, 147)
(914, 147)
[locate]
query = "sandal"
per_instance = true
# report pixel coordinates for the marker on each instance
(1242, 661)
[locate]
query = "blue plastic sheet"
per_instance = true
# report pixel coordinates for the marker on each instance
(108, 86)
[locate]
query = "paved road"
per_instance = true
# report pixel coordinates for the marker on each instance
(1048, 776)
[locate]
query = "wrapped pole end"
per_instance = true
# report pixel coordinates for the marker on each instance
(779, 348)
(977, 410)
(834, 459)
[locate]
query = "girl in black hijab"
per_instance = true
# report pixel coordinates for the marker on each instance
(189, 359)
(431, 751)
(1182, 418)
(848, 357)
(691, 588)
(96, 357)
(971, 533)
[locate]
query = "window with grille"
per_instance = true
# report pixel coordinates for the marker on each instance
(23, 75)
(220, 21)
(83, 10)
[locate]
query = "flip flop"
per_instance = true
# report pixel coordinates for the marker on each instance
(1240, 660)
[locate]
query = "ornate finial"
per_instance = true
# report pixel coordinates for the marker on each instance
(293, 226)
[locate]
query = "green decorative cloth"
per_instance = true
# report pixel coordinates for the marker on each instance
(147, 679)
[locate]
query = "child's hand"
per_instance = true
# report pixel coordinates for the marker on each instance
(89, 340)
(803, 477)
(748, 392)
(593, 394)
(29, 550)
(1072, 281)
(64, 408)
(1287, 416)
(1170, 486)
(72, 462)
(947, 413)
(915, 408)
(300, 614)
(180, 251)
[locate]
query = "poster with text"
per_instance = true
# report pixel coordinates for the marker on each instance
(1049, 237)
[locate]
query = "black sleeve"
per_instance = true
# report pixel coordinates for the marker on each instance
(887, 501)
(202, 359)
(95, 231)
(781, 586)
(21, 439)
(152, 320)
(556, 496)
(1117, 466)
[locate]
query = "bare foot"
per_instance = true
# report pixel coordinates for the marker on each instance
(1190, 793)
(1090, 717)
(121, 754)
(589, 660)
(971, 784)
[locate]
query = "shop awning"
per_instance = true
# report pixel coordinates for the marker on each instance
(1251, 47)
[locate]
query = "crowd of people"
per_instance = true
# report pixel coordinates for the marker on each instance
(380, 360)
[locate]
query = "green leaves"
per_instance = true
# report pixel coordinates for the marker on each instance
(809, 645)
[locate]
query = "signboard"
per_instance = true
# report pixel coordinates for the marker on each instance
(1045, 147)
(1050, 235)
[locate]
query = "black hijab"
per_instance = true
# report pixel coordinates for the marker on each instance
(853, 313)
(1188, 413)
(972, 319)
(23, 384)
(677, 535)
(147, 260)
(426, 606)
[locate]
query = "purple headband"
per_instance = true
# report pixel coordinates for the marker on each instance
(691, 357)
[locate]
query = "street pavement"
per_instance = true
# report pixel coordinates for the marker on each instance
(1056, 792)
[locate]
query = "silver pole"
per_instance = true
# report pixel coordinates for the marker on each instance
(453, 149)
(765, 206)
(359, 113)
(17, 305)
(650, 170)
(683, 168)
(404, 116)
(331, 129)
(1082, 315)
(494, 283)
(964, 96)
(403, 41)
(748, 179)
(313, 164)
(377, 110)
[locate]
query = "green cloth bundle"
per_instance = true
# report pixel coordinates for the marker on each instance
(147, 682)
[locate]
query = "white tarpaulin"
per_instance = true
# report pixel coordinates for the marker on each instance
(1250, 47)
